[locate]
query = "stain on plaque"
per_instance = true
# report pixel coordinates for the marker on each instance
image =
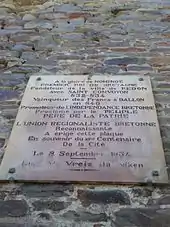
(80, 129)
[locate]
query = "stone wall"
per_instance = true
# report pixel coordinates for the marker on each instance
(84, 37)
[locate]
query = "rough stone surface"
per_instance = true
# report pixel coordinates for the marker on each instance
(46, 190)
(88, 197)
(51, 205)
(13, 208)
(85, 216)
(44, 216)
(12, 225)
(51, 37)
(142, 217)
(162, 201)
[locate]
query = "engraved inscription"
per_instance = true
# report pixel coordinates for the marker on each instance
(105, 127)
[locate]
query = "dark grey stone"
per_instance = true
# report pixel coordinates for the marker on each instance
(125, 61)
(12, 79)
(6, 94)
(2, 195)
(25, 69)
(151, 202)
(42, 225)
(46, 190)
(103, 197)
(142, 217)
(167, 158)
(13, 208)
(85, 216)
(139, 68)
(162, 219)
(166, 144)
(142, 192)
(134, 217)
(2, 142)
(14, 225)
(106, 69)
(164, 200)
(51, 205)
(44, 215)
(163, 85)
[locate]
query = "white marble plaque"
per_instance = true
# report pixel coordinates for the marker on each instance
(86, 129)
